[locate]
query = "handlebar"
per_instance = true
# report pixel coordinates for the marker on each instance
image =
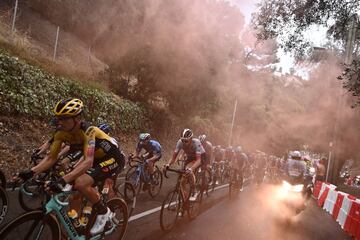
(132, 159)
(173, 170)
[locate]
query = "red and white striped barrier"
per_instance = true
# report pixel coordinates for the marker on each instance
(344, 208)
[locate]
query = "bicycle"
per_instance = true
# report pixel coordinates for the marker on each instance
(138, 175)
(4, 199)
(203, 181)
(234, 183)
(215, 174)
(32, 195)
(176, 203)
(52, 222)
(225, 171)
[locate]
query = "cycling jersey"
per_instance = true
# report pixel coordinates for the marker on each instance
(241, 159)
(107, 156)
(218, 156)
(208, 151)
(152, 147)
(191, 150)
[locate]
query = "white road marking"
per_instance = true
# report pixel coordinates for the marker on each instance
(154, 210)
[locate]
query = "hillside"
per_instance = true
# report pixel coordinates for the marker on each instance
(28, 93)
(34, 39)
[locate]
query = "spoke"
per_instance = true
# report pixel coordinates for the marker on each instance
(31, 229)
(39, 232)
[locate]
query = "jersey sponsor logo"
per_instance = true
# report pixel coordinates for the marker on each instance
(90, 151)
(105, 145)
(91, 142)
(107, 162)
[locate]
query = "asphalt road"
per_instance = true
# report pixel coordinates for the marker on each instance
(252, 215)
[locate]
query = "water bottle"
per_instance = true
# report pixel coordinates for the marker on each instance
(85, 216)
(73, 215)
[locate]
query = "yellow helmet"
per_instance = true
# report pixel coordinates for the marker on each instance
(70, 107)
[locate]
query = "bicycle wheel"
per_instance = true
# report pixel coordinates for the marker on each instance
(134, 177)
(121, 218)
(32, 225)
(193, 208)
(31, 196)
(155, 182)
(130, 197)
(170, 210)
(2, 180)
(4, 201)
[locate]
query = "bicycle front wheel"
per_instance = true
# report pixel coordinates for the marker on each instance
(32, 225)
(171, 208)
(32, 196)
(4, 204)
(133, 176)
(156, 180)
(121, 218)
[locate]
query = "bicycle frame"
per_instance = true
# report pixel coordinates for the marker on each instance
(57, 206)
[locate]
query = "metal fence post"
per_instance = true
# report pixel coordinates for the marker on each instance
(56, 42)
(14, 16)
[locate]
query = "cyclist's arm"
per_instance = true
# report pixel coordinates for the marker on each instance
(89, 150)
(176, 152)
(138, 150)
(64, 151)
(50, 159)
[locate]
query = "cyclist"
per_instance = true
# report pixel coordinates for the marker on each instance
(240, 161)
(208, 147)
(195, 154)
(229, 154)
(101, 160)
(153, 151)
(218, 156)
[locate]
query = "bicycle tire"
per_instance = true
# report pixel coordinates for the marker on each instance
(4, 204)
(10, 229)
(193, 209)
(24, 200)
(133, 177)
(119, 204)
(130, 197)
(2, 180)
(168, 206)
(159, 181)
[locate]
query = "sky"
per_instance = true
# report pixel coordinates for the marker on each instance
(286, 62)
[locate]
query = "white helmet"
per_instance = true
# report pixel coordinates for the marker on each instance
(202, 138)
(295, 155)
(186, 134)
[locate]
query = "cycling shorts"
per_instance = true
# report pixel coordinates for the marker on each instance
(204, 160)
(156, 159)
(74, 156)
(106, 168)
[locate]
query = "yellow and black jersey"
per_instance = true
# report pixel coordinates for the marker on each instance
(86, 136)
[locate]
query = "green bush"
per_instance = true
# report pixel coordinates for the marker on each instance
(28, 90)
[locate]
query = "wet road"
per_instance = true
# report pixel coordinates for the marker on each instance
(252, 215)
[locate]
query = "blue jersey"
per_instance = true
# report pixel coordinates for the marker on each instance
(152, 147)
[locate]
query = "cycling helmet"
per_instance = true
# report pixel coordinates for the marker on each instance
(238, 149)
(144, 136)
(295, 155)
(202, 138)
(104, 127)
(70, 107)
(186, 134)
